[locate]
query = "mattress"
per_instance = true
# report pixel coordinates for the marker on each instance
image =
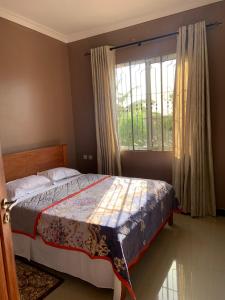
(97, 272)
(103, 217)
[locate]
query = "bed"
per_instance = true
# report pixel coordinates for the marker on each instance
(91, 226)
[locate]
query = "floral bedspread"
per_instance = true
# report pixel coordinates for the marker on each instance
(112, 218)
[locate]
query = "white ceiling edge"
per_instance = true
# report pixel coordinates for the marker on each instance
(100, 30)
(11, 16)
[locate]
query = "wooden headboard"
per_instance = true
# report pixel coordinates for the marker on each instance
(21, 164)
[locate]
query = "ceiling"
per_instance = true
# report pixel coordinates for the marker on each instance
(71, 20)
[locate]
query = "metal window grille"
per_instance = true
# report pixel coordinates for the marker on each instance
(170, 286)
(144, 95)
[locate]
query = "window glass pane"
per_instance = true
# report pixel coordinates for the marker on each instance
(155, 102)
(123, 92)
(168, 71)
(138, 82)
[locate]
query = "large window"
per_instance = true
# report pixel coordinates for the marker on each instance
(145, 103)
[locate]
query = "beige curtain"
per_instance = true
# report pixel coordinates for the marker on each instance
(193, 177)
(103, 78)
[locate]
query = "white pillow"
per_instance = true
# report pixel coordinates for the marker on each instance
(60, 173)
(23, 186)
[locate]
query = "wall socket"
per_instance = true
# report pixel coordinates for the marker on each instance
(87, 156)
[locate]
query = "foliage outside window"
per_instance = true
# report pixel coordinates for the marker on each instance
(144, 92)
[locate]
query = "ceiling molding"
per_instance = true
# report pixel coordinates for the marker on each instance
(11, 16)
(6, 14)
(120, 25)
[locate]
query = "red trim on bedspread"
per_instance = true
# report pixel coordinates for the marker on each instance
(124, 282)
(33, 236)
(146, 247)
(23, 233)
(132, 263)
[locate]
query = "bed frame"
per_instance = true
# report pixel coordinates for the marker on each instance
(22, 164)
(25, 163)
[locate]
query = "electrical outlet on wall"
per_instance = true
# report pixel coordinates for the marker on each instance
(90, 157)
(85, 156)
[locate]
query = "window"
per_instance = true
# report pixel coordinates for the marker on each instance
(144, 95)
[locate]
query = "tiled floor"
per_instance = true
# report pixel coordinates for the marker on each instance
(186, 262)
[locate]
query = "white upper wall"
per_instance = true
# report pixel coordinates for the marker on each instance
(71, 20)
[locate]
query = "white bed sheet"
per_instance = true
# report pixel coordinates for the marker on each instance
(95, 271)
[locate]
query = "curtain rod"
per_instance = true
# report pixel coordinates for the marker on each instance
(139, 43)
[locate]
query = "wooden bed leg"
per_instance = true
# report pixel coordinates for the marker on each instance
(170, 221)
(123, 292)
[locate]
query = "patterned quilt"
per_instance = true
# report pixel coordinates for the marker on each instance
(106, 217)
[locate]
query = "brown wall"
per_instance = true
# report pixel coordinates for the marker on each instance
(150, 164)
(35, 94)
